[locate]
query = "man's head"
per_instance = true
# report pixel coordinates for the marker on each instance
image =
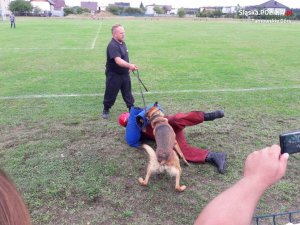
(123, 119)
(118, 32)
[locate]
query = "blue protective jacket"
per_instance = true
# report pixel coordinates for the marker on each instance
(134, 126)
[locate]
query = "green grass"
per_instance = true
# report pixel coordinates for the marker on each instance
(72, 167)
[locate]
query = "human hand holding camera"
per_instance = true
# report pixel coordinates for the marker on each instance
(265, 167)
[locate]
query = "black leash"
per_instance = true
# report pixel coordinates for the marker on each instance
(138, 76)
(141, 82)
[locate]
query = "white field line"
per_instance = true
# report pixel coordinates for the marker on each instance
(150, 93)
(38, 49)
(96, 37)
(75, 48)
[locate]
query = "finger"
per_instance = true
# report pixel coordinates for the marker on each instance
(283, 163)
(276, 148)
(285, 155)
(275, 151)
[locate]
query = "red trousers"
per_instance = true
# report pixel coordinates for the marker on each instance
(179, 121)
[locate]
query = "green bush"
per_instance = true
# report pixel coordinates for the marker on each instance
(20, 6)
(116, 10)
(68, 10)
(80, 10)
(158, 10)
(75, 10)
(133, 11)
(296, 14)
(181, 12)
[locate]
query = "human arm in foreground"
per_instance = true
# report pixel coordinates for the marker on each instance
(236, 205)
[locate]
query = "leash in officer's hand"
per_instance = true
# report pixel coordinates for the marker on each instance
(141, 82)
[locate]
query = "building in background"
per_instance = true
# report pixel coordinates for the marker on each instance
(4, 11)
(46, 6)
(92, 6)
(122, 4)
(167, 9)
(229, 9)
(271, 7)
(192, 11)
(58, 8)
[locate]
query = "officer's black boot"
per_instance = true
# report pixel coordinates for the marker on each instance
(105, 114)
(218, 159)
(213, 115)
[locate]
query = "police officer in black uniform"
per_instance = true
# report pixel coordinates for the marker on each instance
(117, 71)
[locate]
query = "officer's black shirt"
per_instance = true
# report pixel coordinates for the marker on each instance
(115, 49)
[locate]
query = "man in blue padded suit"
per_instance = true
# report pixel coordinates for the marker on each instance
(117, 71)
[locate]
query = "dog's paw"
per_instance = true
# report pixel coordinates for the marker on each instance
(181, 188)
(142, 182)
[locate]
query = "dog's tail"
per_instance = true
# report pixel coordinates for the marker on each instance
(150, 152)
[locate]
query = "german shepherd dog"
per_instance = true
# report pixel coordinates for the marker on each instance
(164, 158)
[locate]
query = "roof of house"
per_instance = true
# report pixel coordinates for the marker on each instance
(58, 4)
(122, 4)
(272, 4)
(89, 5)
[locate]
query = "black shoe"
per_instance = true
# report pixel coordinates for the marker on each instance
(213, 115)
(218, 159)
(105, 114)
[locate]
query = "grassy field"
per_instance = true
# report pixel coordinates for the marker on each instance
(73, 167)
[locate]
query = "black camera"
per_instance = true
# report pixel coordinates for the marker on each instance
(290, 142)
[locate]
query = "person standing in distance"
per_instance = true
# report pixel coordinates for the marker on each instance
(117, 71)
(12, 21)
